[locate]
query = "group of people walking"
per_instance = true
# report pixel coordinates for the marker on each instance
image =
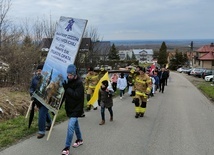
(138, 81)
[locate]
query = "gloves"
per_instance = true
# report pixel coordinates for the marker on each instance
(65, 85)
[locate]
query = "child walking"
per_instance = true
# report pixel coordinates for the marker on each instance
(105, 100)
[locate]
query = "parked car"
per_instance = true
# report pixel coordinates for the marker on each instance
(187, 70)
(180, 70)
(209, 78)
(207, 72)
(192, 72)
(198, 72)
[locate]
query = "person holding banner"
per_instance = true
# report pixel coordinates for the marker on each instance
(91, 80)
(43, 111)
(74, 103)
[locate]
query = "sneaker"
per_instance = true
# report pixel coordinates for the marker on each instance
(65, 151)
(77, 143)
(121, 98)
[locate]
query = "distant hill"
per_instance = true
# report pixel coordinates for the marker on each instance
(156, 44)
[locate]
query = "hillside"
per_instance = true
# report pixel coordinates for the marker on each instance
(13, 103)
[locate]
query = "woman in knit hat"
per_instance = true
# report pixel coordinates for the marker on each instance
(105, 100)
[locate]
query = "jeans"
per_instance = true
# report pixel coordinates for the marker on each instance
(73, 125)
(43, 118)
(103, 112)
(122, 92)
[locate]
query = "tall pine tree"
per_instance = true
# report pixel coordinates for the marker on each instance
(114, 53)
(162, 57)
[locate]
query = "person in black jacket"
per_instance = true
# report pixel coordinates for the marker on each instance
(105, 100)
(74, 102)
(162, 76)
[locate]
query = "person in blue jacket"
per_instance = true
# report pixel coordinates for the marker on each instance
(43, 111)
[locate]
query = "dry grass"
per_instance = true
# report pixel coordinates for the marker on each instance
(13, 103)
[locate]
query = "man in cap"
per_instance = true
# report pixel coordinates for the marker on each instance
(43, 111)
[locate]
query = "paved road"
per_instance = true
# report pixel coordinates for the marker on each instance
(177, 122)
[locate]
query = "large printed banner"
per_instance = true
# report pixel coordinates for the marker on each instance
(63, 51)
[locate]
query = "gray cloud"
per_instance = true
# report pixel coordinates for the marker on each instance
(125, 19)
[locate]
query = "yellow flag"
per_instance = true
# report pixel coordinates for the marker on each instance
(94, 98)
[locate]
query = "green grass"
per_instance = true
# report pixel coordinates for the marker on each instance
(16, 129)
(207, 89)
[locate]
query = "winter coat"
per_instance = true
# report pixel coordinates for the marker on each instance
(162, 75)
(74, 98)
(156, 80)
(35, 85)
(105, 98)
(121, 83)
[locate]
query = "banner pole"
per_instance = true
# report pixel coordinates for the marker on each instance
(29, 108)
(54, 119)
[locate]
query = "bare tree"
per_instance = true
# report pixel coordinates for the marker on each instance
(4, 8)
(95, 53)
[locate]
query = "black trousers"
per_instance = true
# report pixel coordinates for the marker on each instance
(162, 85)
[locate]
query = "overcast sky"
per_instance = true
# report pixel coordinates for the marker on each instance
(128, 19)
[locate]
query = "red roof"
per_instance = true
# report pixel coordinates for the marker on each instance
(206, 48)
(207, 56)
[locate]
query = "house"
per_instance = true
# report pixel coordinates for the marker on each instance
(101, 49)
(205, 57)
(124, 54)
(144, 55)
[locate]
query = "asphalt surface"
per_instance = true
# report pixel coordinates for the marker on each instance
(177, 122)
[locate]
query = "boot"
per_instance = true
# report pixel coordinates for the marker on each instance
(95, 108)
(141, 114)
(102, 122)
(111, 119)
(137, 115)
(88, 108)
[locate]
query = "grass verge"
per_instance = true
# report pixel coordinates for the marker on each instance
(207, 90)
(14, 130)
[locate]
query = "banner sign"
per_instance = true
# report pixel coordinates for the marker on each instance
(63, 51)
